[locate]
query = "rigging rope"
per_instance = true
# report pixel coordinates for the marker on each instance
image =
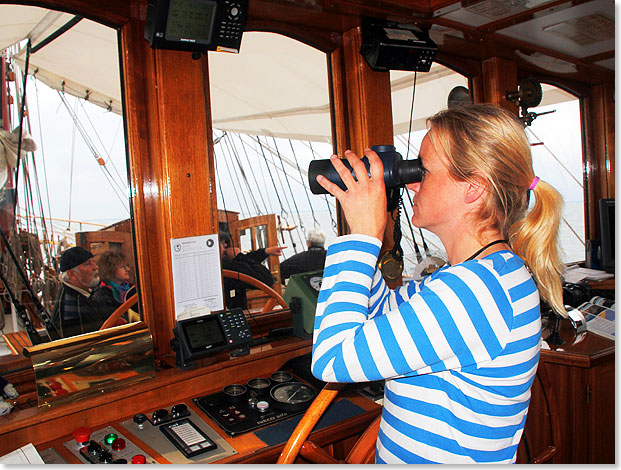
(231, 151)
(283, 211)
(334, 225)
(114, 185)
(254, 178)
(580, 239)
(316, 223)
(47, 192)
(236, 190)
(94, 130)
(268, 204)
(302, 239)
(71, 175)
(286, 198)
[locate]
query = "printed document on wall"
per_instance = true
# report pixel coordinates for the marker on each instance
(197, 275)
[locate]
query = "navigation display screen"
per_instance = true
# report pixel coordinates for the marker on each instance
(203, 334)
(190, 20)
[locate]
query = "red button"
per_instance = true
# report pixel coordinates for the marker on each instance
(82, 434)
(139, 459)
(118, 444)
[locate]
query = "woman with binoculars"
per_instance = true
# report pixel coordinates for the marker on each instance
(459, 349)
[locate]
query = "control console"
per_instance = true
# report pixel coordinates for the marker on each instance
(104, 446)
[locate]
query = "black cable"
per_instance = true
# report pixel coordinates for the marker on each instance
(411, 115)
(419, 257)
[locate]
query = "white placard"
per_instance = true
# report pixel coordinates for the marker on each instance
(197, 274)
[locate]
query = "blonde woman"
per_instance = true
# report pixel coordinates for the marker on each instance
(459, 349)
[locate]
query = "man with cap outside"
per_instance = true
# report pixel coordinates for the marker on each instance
(75, 310)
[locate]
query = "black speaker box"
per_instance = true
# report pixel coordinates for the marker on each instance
(388, 45)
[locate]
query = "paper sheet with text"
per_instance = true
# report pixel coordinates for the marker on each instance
(197, 275)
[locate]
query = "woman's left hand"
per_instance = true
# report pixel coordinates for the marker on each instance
(364, 202)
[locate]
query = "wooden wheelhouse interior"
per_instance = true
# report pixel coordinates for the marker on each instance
(166, 99)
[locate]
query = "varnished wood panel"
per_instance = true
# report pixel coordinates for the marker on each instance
(499, 77)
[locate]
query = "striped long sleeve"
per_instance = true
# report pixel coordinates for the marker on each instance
(458, 351)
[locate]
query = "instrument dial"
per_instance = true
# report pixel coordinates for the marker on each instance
(281, 376)
(292, 396)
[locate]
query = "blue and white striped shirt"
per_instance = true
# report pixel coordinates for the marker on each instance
(459, 351)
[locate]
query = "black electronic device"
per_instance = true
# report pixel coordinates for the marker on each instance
(188, 438)
(196, 25)
(199, 337)
(387, 45)
(607, 235)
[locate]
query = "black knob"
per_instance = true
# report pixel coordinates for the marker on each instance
(179, 410)
(140, 419)
(93, 448)
(105, 457)
(119, 461)
(159, 415)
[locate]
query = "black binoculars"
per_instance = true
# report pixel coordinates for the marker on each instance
(397, 172)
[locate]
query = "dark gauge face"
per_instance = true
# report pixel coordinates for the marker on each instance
(292, 396)
(259, 383)
(235, 392)
(259, 386)
(281, 376)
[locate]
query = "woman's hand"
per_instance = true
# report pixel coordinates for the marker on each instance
(364, 202)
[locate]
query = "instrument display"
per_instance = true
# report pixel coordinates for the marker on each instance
(292, 396)
(239, 409)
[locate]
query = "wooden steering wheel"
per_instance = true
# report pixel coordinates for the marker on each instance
(363, 451)
(275, 297)
(124, 307)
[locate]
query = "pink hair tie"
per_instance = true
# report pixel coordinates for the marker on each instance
(534, 183)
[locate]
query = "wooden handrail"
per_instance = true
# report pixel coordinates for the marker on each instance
(307, 423)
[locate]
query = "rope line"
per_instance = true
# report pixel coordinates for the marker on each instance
(297, 211)
(310, 205)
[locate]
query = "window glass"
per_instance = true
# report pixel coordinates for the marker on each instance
(71, 187)
(430, 91)
(556, 140)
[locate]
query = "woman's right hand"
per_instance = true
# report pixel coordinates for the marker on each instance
(364, 201)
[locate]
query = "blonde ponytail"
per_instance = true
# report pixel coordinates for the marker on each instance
(534, 238)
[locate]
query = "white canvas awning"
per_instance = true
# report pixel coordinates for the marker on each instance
(275, 86)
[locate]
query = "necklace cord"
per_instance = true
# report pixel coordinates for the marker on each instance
(495, 242)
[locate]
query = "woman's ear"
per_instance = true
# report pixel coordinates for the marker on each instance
(476, 188)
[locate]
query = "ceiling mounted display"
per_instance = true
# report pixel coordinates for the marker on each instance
(387, 45)
(197, 26)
